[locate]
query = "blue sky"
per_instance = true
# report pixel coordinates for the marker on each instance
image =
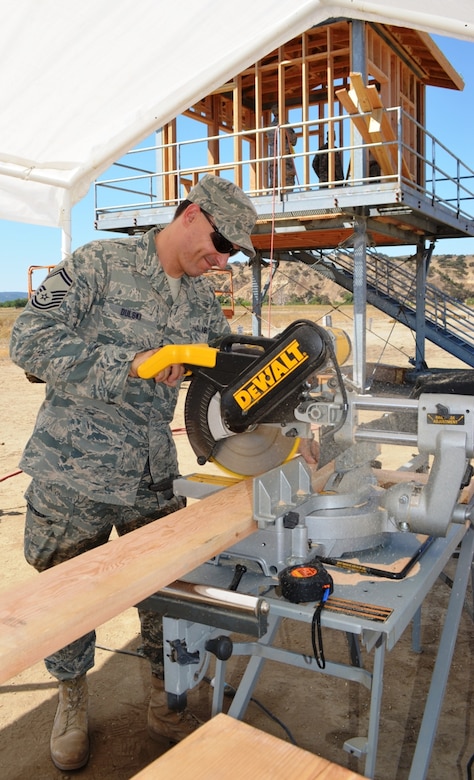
(450, 117)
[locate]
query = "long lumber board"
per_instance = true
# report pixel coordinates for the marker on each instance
(374, 126)
(58, 606)
(361, 123)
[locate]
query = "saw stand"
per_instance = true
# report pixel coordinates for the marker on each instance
(401, 601)
(238, 591)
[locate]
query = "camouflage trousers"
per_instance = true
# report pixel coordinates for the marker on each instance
(61, 524)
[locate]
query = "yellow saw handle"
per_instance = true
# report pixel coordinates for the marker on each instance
(170, 354)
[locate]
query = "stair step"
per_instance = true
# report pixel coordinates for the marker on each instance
(397, 279)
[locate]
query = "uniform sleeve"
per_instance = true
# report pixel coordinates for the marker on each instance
(46, 339)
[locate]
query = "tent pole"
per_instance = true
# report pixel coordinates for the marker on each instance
(66, 227)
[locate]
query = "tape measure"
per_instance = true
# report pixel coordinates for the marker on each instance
(306, 582)
(309, 582)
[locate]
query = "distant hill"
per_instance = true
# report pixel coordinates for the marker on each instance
(297, 283)
(12, 296)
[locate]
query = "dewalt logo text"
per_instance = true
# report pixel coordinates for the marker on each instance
(270, 376)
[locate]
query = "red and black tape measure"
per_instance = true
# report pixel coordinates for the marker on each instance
(306, 582)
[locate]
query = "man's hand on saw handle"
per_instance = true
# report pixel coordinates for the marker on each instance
(170, 375)
(167, 364)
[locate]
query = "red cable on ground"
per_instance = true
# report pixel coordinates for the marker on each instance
(13, 474)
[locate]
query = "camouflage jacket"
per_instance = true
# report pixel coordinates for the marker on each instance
(97, 426)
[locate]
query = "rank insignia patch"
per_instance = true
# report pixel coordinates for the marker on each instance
(51, 293)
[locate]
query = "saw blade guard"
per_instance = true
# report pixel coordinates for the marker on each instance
(241, 414)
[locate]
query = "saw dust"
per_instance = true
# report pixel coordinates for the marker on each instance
(346, 577)
(319, 711)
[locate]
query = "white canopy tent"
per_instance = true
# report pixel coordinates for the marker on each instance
(83, 81)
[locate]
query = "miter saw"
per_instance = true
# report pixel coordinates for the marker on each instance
(249, 401)
(240, 405)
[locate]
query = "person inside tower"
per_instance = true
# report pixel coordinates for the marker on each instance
(325, 170)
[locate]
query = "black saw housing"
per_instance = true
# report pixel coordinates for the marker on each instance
(258, 379)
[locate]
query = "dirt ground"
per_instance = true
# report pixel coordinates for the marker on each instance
(319, 711)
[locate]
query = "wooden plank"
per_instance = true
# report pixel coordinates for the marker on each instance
(361, 125)
(359, 89)
(387, 130)
(381, 153)
(376, 127)
(359, 121)
(60, 605)
(227, 748)
(373, 121)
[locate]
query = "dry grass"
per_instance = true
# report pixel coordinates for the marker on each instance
(387, 341)
(7, 320)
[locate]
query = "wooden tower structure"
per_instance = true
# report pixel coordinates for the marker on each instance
(347, 98)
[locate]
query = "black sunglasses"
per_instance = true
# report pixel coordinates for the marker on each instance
(221, 244)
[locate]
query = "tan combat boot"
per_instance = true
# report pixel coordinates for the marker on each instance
(164, 723)
(69, 739)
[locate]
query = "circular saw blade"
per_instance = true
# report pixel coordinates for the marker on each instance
(254, 451)
(259, 449)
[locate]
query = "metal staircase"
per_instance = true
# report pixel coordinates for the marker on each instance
(391, 287)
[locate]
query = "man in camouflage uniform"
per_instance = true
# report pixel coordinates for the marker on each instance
(102, 453)
(321, 163)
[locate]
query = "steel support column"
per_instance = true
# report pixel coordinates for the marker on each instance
(423, 257)
(360, 302)
(358, 65)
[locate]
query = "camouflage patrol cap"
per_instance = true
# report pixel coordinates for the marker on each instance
(231, 209)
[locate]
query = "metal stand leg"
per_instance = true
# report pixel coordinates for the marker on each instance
(360, 746)
(472, 590)
(252, 672)
(426, 736)
(375, 705)
(416, 632)
(354, 649)
(219, 685)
